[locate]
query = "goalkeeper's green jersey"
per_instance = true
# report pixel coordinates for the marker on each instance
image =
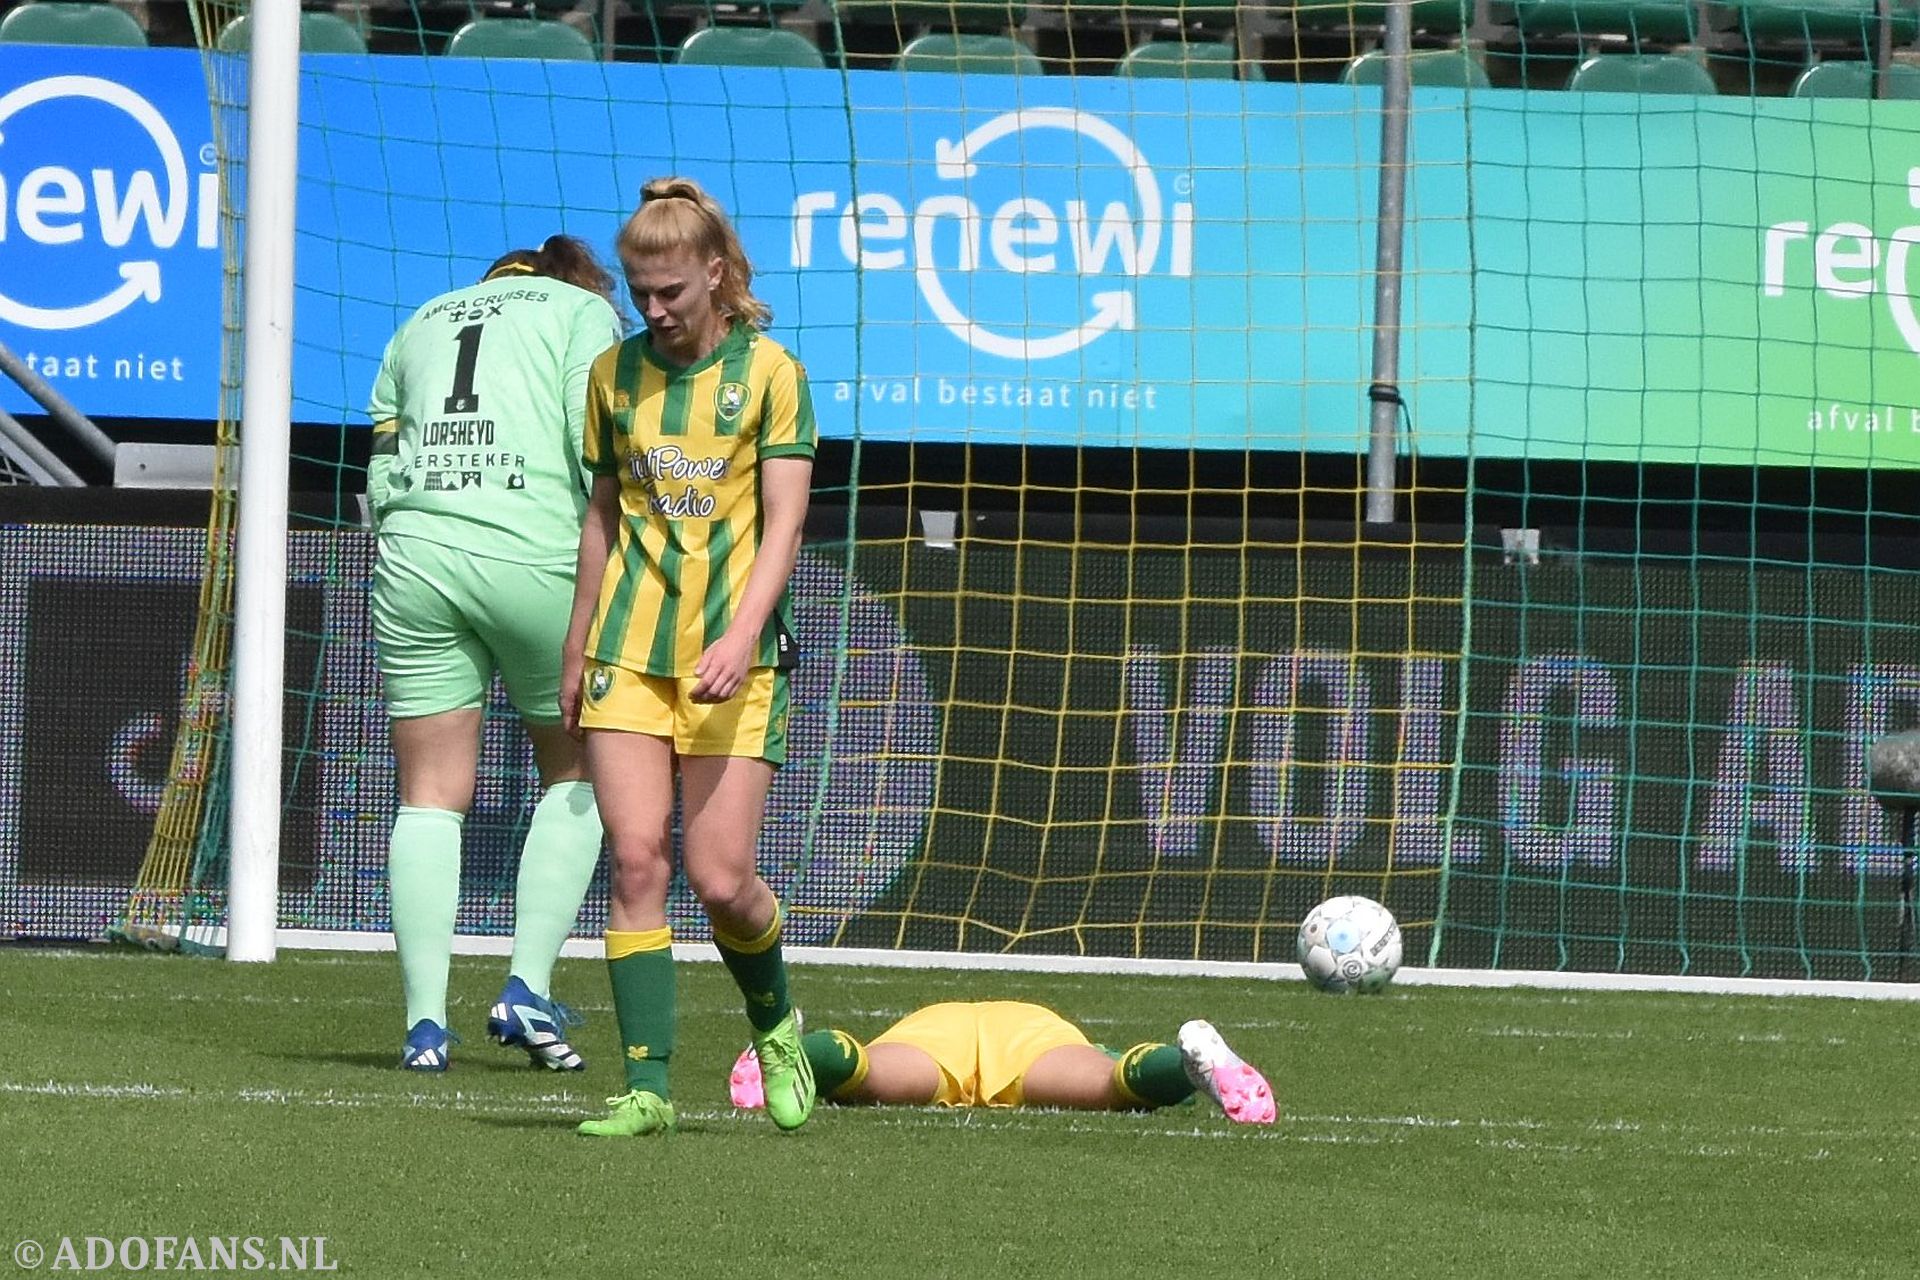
(477, 419)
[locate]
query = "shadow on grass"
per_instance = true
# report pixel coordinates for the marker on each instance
(389, 1062)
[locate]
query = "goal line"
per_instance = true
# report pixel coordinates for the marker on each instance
(886, 958)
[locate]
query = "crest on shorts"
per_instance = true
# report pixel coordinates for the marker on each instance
(599, 682)
(729, 400)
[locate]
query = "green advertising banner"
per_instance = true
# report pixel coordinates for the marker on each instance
(1688, 280)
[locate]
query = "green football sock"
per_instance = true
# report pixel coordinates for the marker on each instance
(556, 864)
(640, 965)
(760, 971)
(1152, 1074)
(837, 1059)
(423, 886)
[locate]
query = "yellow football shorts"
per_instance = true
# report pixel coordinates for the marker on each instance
(983, 1049)
(752, 723)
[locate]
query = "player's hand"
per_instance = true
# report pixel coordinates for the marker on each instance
(572, 672)
(722, 669)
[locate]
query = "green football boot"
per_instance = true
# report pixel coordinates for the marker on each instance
(785, 1072)
(633, 1114)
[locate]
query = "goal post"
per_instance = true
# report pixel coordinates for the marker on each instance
(260, 587)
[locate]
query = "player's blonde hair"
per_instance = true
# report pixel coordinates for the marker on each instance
(676, 214)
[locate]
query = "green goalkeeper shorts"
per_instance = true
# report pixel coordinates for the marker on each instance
(445, 620)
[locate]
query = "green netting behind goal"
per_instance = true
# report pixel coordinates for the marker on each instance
(1103, 657)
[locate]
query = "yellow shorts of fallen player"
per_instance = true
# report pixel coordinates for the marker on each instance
(752, 723)
(983, 1049)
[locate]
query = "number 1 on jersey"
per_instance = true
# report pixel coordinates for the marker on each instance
(463, 398)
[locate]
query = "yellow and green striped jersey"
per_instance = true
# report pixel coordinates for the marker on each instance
(686, 443)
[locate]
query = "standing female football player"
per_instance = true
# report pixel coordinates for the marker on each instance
(476, 491)
(700, 435)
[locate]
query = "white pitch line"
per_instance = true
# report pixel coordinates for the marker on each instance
(1491, 1133)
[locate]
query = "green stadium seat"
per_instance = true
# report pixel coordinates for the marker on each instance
(71, 22)
(520, 38)
(749, 47)
(1663, 21)
(1802, 23)
(1641, 73)
(1441, 17)
(319, 33)
(1431, 68)
(968, 54)
(1185, 60)
(1855, 80)
(1184, 15)
(912, 15)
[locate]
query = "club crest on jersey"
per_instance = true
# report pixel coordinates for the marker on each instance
(599, 682)
(729, 400)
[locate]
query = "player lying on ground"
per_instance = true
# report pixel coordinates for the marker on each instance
(1003, 1053)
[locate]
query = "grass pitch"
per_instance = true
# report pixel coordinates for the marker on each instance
(1428, 1132)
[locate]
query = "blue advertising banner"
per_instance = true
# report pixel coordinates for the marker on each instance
(1063, 262)
(109, 229)
(1040, 260)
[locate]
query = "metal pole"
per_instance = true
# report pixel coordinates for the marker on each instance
(1906, 891)
(38, 461)
(1883, 48)
(1384, 394)
(260, 541)
(70, 419)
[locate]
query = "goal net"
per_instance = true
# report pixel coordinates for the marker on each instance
(1103, 657)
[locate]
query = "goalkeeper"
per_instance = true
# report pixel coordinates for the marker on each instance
(1004, 1053)
(476, 491)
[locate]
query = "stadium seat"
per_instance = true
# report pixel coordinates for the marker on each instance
(1665, 21)
(1185, 60)
(319, 33)
(71, 22)
(749, 47)
(1435, 68)
(1444, 17)
(909, 15)
(969, 54)
(520, 38)
(1803, 23)
(1641, 73)
(1855, 80)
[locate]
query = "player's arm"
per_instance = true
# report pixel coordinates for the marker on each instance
(383, 406)
(785, 484)
(596, 327)
(597, 533)
(600, 457)
(786, 481)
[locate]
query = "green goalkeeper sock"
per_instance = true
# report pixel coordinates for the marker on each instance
(423, 885)
(640, 965)
(760, 971)
(837, 1059)
(1152, 1075)
(556, 864)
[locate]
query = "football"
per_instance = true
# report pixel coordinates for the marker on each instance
(1350, 943)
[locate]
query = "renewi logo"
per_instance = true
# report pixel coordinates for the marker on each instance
(1850, 261)
(132, 203)
(1107, 217)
